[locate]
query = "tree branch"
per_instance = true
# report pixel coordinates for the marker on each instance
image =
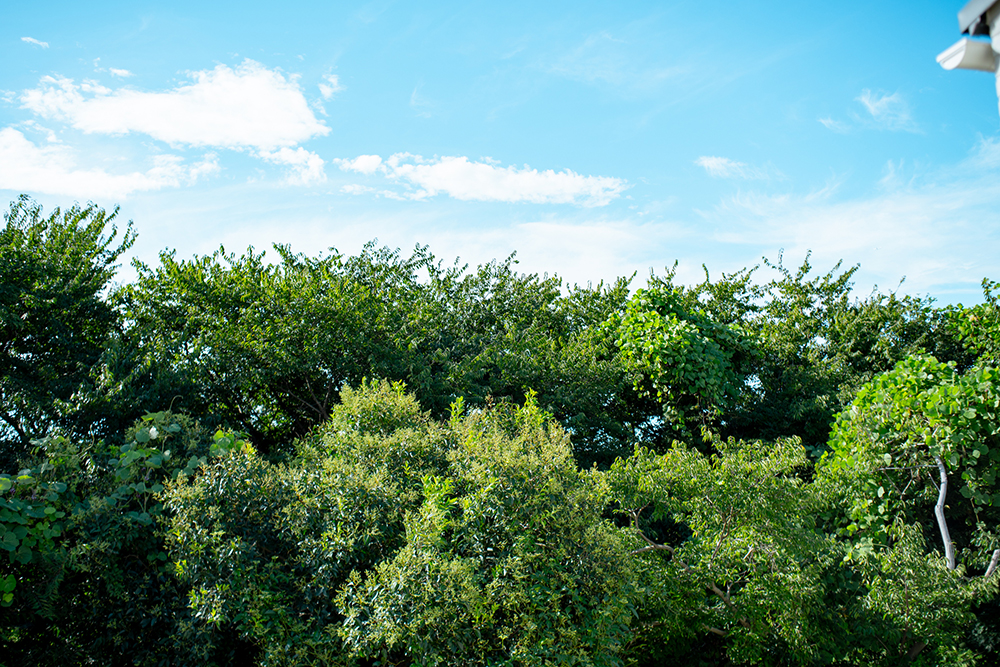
(16, 425)
(993, 564)
(949, 548)
(653, 546)
(915, 651)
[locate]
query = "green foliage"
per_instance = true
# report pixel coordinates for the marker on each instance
(442, 515)
(101, 566)
(768, 359)
(391, 536)
(30, 522)
(906, 432)
(267, 347)
(978, 326)
(885, 447)
(817, 345)
(54, 322)
(505, 562)
(725, 544)
(686, 360)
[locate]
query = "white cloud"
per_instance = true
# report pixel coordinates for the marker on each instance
(32, 40)
(34, 126)
(365, 164)
(25, 167)
(123, 73)
(355, 189)
(307, 167)
(889, 112)
(247, 107)
(723, 167)
(331, 86)
(462, 179)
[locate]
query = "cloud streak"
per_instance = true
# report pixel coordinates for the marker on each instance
(723, 167)
(604, 59)
(838, 126)
(463, 179)
(32, 40)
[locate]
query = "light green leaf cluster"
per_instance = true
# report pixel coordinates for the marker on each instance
(392, 536)
(684, 358)
(914, 462)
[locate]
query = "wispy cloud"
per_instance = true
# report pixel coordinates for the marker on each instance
(32, 40)
(460, 178)
(247, 107)
(52, 169)
(890, 112)
(837, 126)
(307, 167)
(881, 111)
(330, 87)
(929, 228)
(421, 105)
(605, 59)
(122, 73)
(723, 167)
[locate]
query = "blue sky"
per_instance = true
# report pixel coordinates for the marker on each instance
(595, 139)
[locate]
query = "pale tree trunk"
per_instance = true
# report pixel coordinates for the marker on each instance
(949, 548)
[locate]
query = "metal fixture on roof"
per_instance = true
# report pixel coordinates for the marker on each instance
(972, 17)
(976, 18)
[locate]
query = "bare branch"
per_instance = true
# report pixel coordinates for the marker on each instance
(317, 405)
(993, 564)
(949, 548)
(717, 631)
(16, 425)
(653, 547)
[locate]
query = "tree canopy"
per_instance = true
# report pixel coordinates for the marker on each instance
(382, 459)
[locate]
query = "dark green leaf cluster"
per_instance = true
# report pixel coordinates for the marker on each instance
(55, 322)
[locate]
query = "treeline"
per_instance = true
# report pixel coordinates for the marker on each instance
(386, 460)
